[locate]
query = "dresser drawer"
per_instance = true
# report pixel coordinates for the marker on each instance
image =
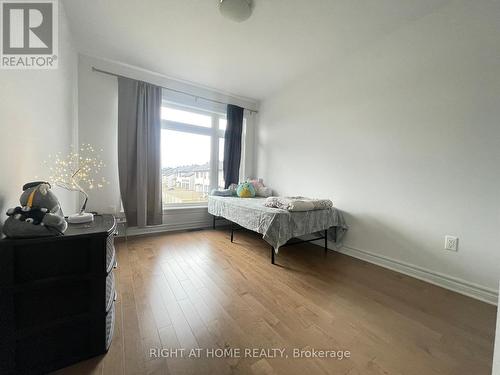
(29, 261)
(110, 290)
(110, 325)
(54, 259)
(110, 253)
(63, 344)
(52, 301)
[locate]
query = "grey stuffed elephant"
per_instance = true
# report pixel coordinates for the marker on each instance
(40, 214)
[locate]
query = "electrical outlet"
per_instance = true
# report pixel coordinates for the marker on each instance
(451, 243)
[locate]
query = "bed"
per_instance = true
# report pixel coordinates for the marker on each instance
(278, 226)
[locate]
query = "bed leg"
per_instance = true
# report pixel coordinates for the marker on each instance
(213, 222)
(232, 231)
(326, 241)
(272, 255)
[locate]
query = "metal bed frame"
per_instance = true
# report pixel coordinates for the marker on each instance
(235, 227)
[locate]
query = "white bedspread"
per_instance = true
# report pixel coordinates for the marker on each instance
(277, 226)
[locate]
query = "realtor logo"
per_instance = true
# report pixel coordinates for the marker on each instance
(28, 34)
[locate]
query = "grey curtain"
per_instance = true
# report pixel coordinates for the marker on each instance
(139, 151)
(232, 145)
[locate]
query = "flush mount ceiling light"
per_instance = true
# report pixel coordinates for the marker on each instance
(236, 10)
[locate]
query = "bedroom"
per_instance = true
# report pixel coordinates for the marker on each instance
(388, 109)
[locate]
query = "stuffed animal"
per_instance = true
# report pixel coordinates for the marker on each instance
(245, 190)
(39, 215)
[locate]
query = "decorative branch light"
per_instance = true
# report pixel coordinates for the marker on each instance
(78, 171)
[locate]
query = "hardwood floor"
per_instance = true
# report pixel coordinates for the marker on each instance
(198, 290)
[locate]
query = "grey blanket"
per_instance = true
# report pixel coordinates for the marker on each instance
(276, 225)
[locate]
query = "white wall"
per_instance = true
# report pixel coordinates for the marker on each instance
(404, 136)
(37, 118)
(98, 121)
(98, 124)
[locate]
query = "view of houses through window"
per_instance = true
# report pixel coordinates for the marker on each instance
(191, 141)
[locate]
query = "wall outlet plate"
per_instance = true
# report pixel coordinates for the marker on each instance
(451, 243)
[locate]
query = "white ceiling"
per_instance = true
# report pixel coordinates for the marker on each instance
(190, 40)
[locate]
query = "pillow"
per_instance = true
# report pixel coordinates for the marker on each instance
(257, 183)
(233, 187)
(264, 191)
(245, 190)
(222, 192)
(301, 205)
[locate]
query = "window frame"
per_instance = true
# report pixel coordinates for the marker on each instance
(213, 132)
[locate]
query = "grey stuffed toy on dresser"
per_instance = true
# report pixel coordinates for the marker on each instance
(39, 215)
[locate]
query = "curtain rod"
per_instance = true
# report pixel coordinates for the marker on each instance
(174, 90)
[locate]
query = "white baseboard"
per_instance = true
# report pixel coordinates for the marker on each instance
(448, 282)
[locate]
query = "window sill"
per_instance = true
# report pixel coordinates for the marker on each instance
(185, 208)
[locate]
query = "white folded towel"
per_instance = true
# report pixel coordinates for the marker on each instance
(298, 203)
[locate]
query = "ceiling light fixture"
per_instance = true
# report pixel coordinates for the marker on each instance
(236, 10)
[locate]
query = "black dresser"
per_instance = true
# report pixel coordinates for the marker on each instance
(57, 298)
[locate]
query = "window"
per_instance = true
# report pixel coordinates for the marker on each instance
(192, 147)
(184, 155)
(186, 117)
